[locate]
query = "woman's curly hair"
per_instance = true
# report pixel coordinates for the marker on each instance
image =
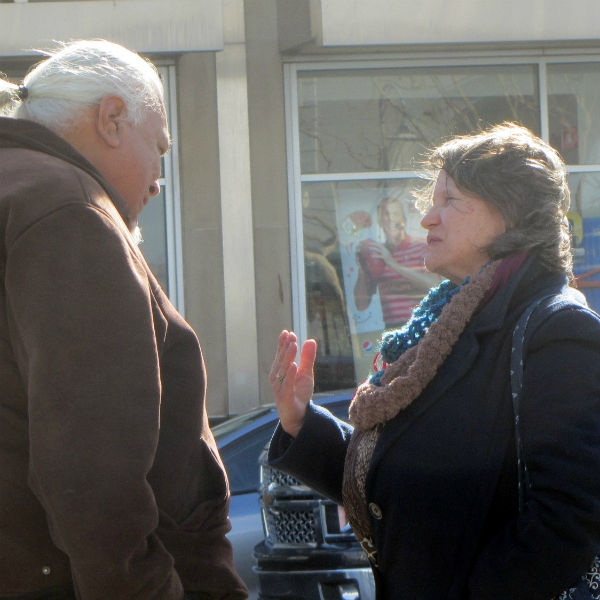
(513, 170)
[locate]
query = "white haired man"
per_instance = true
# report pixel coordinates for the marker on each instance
(111, 486)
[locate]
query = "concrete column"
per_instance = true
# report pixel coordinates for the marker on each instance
(236, 212)
(269, 178)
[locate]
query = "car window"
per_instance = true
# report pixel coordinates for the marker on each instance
(233, 424)
(241, 460)
(340, 410)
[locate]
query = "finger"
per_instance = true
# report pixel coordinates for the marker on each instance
(281, 343)
(283, 372)
(308, 356)
(281, 368)
(286, 393)
(284, 350)
(284, 354)
(288, 358)
(282, 337)
(281, 348)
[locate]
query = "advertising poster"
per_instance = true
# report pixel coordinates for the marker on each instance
(380, 238)
(585, 246)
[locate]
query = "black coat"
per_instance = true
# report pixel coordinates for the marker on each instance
(444, 471)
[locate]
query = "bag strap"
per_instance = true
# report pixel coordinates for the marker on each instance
(516, 384)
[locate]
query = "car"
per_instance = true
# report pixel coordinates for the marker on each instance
(309, 551)
(242, 441)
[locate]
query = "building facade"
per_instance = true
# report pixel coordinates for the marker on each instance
(298, 127)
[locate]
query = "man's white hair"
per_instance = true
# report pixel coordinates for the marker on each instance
(78, 75)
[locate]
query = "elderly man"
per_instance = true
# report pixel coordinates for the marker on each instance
(111, 486)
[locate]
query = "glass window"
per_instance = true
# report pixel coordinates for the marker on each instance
(363, 253)
(359, 136)
(241, 460)
(160, 221)
(382, 119)
(152, 222)
(573, 110)
(584, 219)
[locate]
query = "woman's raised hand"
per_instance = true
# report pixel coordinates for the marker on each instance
(293, 384)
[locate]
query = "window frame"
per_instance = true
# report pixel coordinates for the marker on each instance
(295, 65)
(171, 184)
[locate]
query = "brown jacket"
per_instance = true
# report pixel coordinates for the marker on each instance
(110, 479)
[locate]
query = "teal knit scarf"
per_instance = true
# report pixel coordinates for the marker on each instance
(395, 343)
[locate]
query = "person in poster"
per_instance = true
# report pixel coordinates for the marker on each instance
(394, 267)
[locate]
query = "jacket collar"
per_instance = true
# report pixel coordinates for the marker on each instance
(28, 135)
(532, 280)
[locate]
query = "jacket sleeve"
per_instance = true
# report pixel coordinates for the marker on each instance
(81, 324)
(548, 547)
(317, 455)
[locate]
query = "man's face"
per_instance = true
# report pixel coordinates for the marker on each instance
(136, 168)
(393, 222)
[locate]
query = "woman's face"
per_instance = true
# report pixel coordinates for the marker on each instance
(458, 226)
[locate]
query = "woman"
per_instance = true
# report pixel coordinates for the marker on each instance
(429, 476)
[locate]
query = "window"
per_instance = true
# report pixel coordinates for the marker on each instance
(356, 134)
(160, 221)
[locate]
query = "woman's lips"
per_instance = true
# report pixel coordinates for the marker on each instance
(432, 239)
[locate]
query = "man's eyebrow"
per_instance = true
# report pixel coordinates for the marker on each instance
(169, 145)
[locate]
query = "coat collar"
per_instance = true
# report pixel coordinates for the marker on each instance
(531, 281)
(25, 134)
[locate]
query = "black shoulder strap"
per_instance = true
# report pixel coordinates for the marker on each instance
(516, 384)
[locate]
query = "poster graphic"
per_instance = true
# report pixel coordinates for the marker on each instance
(381, 246)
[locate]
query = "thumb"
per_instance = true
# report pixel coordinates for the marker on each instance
(308, 355)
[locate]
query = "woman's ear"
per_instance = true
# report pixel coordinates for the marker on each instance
(112, 113)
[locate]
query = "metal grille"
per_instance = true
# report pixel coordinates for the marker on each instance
(288, 508)
(277, 478)
(291, 527)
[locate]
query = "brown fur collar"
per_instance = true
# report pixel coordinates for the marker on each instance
(406, 378)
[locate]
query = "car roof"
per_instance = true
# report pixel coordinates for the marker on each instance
(262, 416)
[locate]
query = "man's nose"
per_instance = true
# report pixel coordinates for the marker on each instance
(154, 189)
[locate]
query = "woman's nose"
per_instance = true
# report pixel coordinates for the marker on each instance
(155, 189)
(429, 218)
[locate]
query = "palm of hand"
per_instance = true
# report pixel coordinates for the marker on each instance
(293, 384)
(305, 384)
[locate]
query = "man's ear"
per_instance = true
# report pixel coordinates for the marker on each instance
(111, 115)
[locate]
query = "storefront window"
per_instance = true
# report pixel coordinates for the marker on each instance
(381, 120)
(584, 219)
(363, 251)
(359, 134)
(160, 221)
(152, 222)
(573, 110)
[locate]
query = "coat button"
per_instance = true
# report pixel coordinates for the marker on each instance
(46, 570)
(375, 511)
